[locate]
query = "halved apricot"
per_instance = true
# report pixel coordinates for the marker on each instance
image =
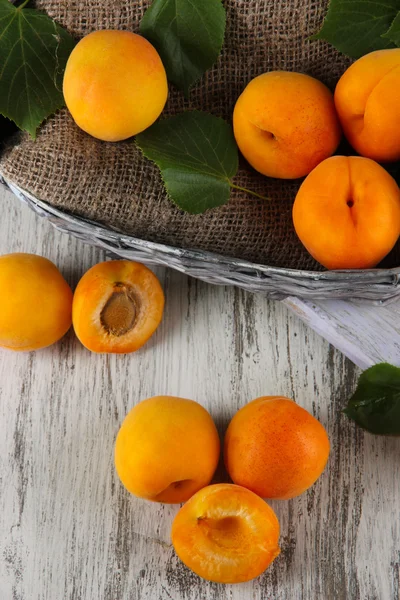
(226, 533)
(117, 307)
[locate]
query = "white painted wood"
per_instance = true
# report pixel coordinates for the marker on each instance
(69, 531)
(366, 334)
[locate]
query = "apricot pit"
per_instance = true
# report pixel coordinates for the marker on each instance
(119, 314)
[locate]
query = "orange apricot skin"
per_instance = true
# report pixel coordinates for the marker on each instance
(285, 124)
(166, 449)
(115, 84)
(367, 99)
(92, 294)
(226, 533)
(275, 448)
(347, 213)
(35, 302)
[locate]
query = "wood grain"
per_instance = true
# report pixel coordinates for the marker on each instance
(365, 333)
(68, 528)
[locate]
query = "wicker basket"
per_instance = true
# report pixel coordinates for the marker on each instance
(377, 286)
(281, 21)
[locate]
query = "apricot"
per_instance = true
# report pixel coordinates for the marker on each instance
(285, 124)
(227, 534)
(167, 449)
(367, 99)
(347, 213)
(115, 84)
(275, 448)
(117, 307)
(35, 302)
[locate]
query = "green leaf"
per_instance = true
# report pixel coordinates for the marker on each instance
(375, 405)
(33, 54)
(394, 32)
(188, 35)
(356, 27)
(197, 155)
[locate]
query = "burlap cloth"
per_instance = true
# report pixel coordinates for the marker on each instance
(115, 186)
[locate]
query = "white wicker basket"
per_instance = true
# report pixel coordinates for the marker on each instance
(378, 286)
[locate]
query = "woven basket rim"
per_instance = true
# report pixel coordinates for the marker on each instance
(361, 275)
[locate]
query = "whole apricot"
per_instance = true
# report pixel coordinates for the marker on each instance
(275, 448)
(117, 307)
(227, 534)
(347, 213)
(285, 124)
(367, 99)
(35, 302)
(167, 449)
(115, 84)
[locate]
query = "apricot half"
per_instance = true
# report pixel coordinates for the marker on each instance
(115, 84)
(367, 99)
(227, 534)
(35, 302)
(117, 306)
(167, 449)
(347, 213)
(275, 448)
(285, 124)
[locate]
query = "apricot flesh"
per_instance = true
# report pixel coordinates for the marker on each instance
(347, 213)
(275, 448)
(117, 307)
(115, 84)
(35, 302)
(367, 99)
(285, 124)
(226, 534)
(166, 449)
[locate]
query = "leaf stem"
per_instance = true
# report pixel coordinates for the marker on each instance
(242, 189)
(21, 6)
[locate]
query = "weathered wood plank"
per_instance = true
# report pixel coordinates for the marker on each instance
(365, 333)
(68, 528)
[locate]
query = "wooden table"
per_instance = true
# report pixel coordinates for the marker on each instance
(69, 530)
